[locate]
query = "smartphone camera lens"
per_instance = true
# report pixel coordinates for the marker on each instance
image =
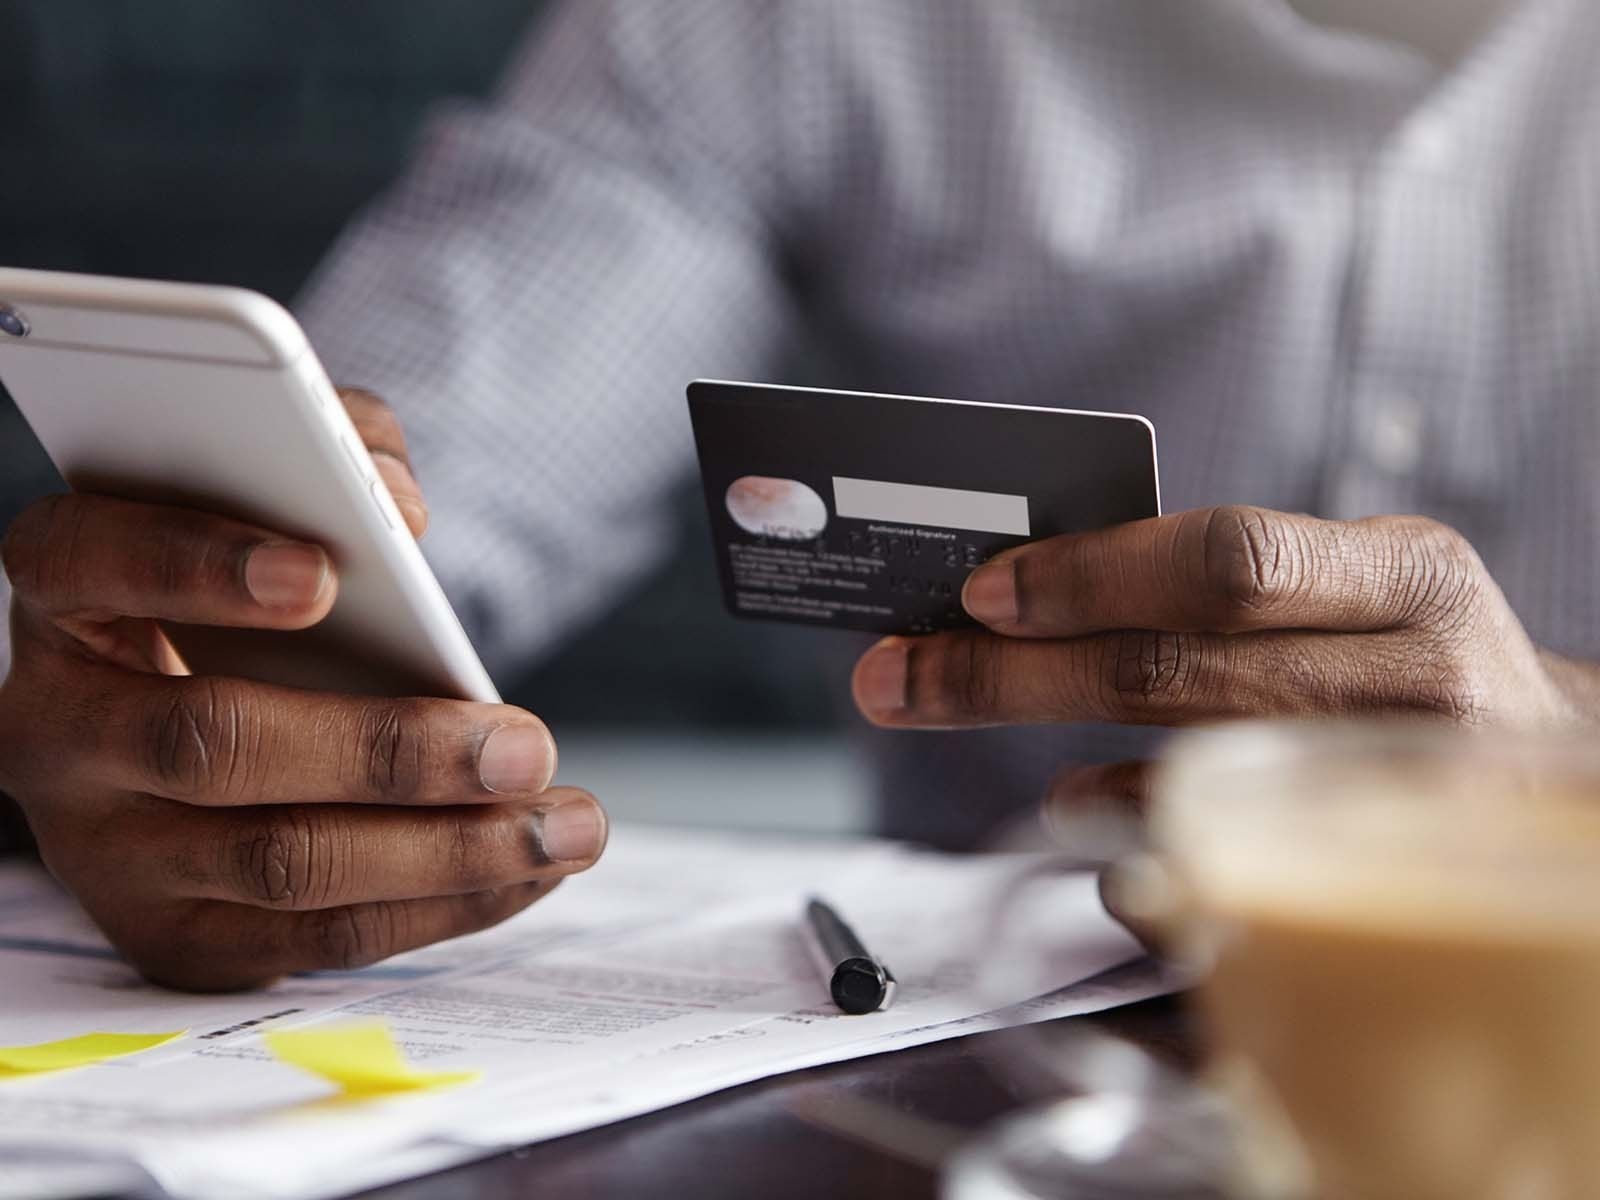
(13, 323)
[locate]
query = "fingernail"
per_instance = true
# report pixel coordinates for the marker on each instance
(881, 679)
(392, 468)
(575, 832)
(516, 758)
(286, 575)
(990, 595)
(415, 514)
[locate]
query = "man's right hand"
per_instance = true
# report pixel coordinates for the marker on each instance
(224, 833)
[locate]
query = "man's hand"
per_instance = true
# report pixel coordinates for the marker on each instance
(224, 833)
(1220, 613)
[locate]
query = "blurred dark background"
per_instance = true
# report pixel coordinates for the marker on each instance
(228, 141)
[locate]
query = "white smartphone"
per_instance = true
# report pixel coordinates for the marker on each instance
(211, 398)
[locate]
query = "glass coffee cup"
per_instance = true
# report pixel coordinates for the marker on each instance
(1394, 932)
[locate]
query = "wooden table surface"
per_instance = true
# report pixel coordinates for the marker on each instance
(752, 1140)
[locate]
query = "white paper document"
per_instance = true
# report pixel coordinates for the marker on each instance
(672, 970)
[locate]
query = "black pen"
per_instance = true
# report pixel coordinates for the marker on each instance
(858, 982)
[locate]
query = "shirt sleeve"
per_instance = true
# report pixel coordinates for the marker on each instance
(536, 292)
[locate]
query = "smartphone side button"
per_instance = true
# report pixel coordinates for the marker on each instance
(358, 456)
(380, 497)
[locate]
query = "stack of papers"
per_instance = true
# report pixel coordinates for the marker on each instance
(673, 969)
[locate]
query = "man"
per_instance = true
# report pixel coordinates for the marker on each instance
(1344, 257)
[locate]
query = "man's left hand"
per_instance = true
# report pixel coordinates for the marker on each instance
(1222, 613)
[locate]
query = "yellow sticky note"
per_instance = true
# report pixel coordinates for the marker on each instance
(361, 1060)
(82, 1051)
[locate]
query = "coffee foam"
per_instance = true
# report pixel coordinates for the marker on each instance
(1477, 864)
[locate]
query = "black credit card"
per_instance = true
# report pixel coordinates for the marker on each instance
(867, 512)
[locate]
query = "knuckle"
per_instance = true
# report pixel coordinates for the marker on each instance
(471, 842)
(343, 939)
(1251, 561)
(1442, 575)
(198, 740)
(1061, 577)
(1150, 672)
(395, 750)
(1443, 542)
(965, 685)
(180, 740)
(1449, 693)
(466, 845)
(289, 858)
(182, 555)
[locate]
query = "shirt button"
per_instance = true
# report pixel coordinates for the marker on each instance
(1395, 437)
